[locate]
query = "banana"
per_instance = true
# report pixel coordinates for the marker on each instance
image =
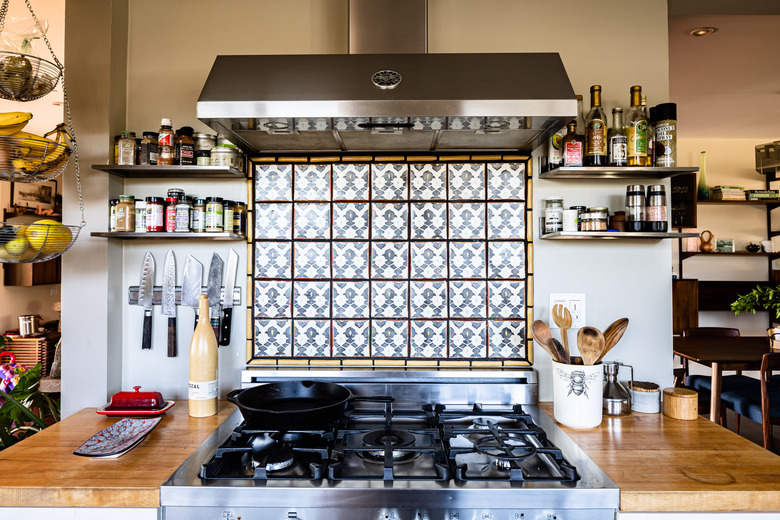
(37, 144)
(38, 159)
(12, 122)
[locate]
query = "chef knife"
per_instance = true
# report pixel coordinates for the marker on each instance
(145, 294)
(212, 290)
(169, 300)
(191, 284)
(227, 304)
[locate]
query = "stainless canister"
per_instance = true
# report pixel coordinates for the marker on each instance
(616, 398)
(28, 325)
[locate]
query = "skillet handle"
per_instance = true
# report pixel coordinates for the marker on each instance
(233, 396)
(377, 399)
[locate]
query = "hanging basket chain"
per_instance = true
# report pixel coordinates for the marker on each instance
(3, 12)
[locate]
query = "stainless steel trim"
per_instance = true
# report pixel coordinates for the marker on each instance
(380, 26)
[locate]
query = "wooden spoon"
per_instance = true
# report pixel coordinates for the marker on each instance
(590, 341)
(543, 337)
(562, 318)
(562, 354)
(612, 335)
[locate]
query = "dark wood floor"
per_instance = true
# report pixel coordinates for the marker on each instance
(752, 431)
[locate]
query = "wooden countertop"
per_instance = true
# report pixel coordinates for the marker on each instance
(664, 464)
(42, 470)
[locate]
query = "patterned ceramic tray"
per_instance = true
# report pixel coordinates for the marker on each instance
(117, 439)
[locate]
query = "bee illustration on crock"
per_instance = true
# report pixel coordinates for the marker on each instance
(578, 381)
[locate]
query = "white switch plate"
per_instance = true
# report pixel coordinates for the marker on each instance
(575, 302)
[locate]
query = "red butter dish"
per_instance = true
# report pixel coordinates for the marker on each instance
(136, 403)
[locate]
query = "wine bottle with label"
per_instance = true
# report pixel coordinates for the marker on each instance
(203, 383)
(595, 131)
(616, 140)
(573, 146)
(636, 130)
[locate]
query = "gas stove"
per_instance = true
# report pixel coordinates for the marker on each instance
(450, 445)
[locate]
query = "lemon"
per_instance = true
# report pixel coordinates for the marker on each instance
(17, 246)
(48, 236)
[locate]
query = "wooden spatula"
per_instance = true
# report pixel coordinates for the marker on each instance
(590, 341)
(543, 337)
(562, 318)
(612, 335)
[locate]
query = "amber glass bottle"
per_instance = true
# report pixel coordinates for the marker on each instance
(573, 146)
(595, 131)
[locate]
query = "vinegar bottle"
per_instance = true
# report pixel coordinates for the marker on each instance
(636, 130)
(203, 385)
(595, 131)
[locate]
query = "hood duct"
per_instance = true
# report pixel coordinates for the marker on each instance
(404, 102)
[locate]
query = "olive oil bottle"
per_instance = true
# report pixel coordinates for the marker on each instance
(203, 383)
(595, 131)
(636, 130)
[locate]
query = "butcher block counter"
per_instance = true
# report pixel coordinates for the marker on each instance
(659, 464)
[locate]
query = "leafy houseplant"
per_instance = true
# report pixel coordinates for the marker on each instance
(762, 298)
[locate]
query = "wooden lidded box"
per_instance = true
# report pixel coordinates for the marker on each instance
(681, 403)
(34, 349)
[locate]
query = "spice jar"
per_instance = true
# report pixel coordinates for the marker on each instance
(112, 204)
(226, 155)
(599, 217)
(635, 208)
(155, 214)
(148, 153)
(140, 216)
(125, 214)
(185, 146)
(618, 221)
(199, 216)
(126, 148)
(214, 217)
(656, 209)
(553, 214)
(166, 144)
(170, 214)
(182, 218)
(227, 215)
(239, 218)
(203, 145)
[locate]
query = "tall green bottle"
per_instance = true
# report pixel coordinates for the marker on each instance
(703, 190)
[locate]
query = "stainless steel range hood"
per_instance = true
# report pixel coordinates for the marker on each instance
(413, 102)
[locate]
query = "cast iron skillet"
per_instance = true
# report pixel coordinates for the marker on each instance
(294, 404)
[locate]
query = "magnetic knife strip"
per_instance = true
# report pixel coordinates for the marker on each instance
(132, 295)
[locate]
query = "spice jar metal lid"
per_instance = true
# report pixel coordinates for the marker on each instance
(154, 199)
(599, 209)
(631, 188)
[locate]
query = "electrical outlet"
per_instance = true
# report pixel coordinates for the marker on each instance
(575, 302)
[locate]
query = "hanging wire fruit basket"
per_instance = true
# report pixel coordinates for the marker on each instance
(24, 77)
(30, 158)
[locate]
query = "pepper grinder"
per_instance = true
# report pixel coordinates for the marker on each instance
(635, 208)
(616, 398)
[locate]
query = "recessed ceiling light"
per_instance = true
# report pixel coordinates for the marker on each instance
(703, 31)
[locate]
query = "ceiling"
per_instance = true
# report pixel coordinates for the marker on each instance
(726, 84)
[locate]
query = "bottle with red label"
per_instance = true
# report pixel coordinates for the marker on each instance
(166, 143)
(573, 146)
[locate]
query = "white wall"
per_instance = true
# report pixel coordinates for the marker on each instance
(631, 279)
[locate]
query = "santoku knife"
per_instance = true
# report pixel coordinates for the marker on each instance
(191, 284)
(212, 291)
(169, 300)
(145, 294)
(227, 300)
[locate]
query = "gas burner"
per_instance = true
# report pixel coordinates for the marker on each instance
(273, 459)
(504, 447)
(391, 438)
(483, 423)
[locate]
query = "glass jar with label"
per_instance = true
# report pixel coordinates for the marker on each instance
(125, 214)
(239, 218)
(176, 193)
(599, 218)
(140, 216)
(112, 204)
(214, 215)
(227, 215)
(553, 214)
(126, 149)
(226, 155)
(199, 216)
(185, 146)
(148, 153)
(155, 214)
(203, 145)
(183, 210)
(170, 214)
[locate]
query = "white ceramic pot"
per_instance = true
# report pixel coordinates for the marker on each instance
(577, 394)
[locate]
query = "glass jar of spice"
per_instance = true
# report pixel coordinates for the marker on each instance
(126, 148)
(148, 153)
(214, 215)
(185, 146)
(170, 214)
(125, 214)
(199, 216)
(140, 216)
(227, 215)
(239, 218)
(183, 210)
(203, 145)
(112, 204)
(155, 214)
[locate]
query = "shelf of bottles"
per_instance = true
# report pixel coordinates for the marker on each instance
(168, 235)
(622, 172)
(614, 235)
(154, 171)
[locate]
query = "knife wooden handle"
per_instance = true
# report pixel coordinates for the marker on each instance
(147, 334)
(172, 336)
(224, 326)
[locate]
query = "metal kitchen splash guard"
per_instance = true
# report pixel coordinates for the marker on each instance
(391, 261)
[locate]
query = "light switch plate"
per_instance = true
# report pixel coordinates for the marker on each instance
(575, 302)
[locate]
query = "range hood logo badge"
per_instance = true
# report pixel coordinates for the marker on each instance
(386, 79)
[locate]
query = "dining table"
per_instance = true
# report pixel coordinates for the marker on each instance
(722, 353)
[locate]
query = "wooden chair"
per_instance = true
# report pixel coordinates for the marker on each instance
(696, 332)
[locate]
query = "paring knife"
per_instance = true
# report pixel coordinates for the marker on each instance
(145, 294)
(227, 304)
(169, 300)
(212, 291)
(191, 284)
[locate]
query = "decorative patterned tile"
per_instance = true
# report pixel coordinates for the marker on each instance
(465, 123)
(350, 259)
(429, 339)
(350, 181)
(467, 220)
(273, 299)
(468, 339)
(273, 338)
(506, 180)
(273, 221)
(350, 220)
(507, 122)
(506, 300)
(506, 259)
(467, 260)
(467, 181)
(312, 260)
(429, 220)
(506, 339)
(467, 299)
(427, 181)
(312, 181)
(312, 220)
(273, 182)
(273, 259)
(282, 124)
(311, 300)
(351, 338)
(429, 123)
(349, 123)
(312, 338)
(389, 221)
(309, 124)
(429, 260)
(390, 338)
(388, 299)
(428, 300)
(350, 300)
(506, 220)
(390, 260)
(388, 181)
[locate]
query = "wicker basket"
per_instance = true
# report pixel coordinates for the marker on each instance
(24, 77)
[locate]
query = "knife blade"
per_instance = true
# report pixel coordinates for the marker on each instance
(145, 295)
(191, 284)
(169, 300)
(212, 290)
(227, 304)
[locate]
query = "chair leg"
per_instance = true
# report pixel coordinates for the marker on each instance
(766, 427)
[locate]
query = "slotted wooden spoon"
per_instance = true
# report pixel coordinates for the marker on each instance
(562, 318)
(543, 337)
(590, 341)
(612, 335)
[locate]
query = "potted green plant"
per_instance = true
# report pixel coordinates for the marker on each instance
(762, 298)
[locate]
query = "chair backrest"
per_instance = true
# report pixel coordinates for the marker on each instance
(769, 363)
(710, 331)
